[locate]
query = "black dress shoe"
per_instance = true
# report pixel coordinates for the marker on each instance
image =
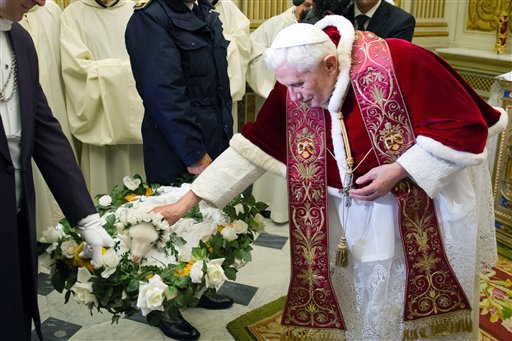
(178, 328)
(215, 301)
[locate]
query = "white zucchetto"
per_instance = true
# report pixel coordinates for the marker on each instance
(299, 34)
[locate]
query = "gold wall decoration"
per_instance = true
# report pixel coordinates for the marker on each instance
(502, 32)
(502, 182)
(483, 14)
(430, 9)
(260, 10)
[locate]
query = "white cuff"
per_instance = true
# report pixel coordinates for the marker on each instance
(85, 222)
(257, 156)
(430, 172)
(225, 178)
(449, 154)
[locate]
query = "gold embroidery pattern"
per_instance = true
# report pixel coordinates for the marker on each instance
(386, 121)
(435, 303)
(311, 306)
(435, 285)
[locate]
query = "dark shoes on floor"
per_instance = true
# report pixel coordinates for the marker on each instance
(215, 301)
(178, 328)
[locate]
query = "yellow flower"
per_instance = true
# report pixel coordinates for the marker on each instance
(148, 277)
(186, 269)
(130, 197)
(79, 261)
(149, 191)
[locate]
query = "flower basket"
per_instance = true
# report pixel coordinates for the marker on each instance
(154, 267)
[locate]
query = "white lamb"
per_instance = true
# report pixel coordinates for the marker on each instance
(143, 237)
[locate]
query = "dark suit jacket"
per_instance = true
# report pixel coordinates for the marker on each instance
(180, 67)
(388, 21)
(41, 139)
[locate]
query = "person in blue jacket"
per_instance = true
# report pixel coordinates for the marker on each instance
(178, 57)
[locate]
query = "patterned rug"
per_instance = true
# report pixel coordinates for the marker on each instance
(263, 323)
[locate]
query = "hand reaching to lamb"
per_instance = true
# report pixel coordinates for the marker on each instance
(173, 212)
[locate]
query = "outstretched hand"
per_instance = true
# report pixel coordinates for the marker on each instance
(173, 212)
(378, 182)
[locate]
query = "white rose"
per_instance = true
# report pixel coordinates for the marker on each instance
(215, 276)
(260, 223)
(239, 208)
(105, 200)
(68, 248)
(83, 288)
(196, 272)
(83, 275)
(229, 233)
(131, 184)
(110, 261)
(52, 248)
(51, 235)
(151, 295)
(240, 226)
(83, 293)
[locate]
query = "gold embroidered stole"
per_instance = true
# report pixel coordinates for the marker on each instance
(435, 303)
(311, 311)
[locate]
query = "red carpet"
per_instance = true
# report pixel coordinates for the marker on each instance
(496, 302)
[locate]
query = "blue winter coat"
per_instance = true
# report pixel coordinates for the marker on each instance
(180, 67)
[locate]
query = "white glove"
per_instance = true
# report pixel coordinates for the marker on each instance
(95, 238)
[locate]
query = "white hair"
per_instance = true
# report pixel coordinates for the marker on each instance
(303, 57)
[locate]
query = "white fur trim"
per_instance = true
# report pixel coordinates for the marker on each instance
(344, 48)
(440, 150)
(257, 156)
(228, 175)
(499, 126)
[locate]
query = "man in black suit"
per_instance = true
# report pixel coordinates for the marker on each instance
(381, 18)
(29, 131)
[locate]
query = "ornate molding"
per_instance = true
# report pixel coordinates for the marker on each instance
(483, 14)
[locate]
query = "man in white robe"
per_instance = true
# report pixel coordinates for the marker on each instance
(236, 29)
(104, 109)
(43, 24)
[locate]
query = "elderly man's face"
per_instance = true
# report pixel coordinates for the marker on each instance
(311, 87)
(15, 9)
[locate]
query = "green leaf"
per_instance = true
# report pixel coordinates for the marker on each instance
(198, 253)
(58, 281)
(133, 285)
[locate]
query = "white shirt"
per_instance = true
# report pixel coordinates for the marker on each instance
(369, 14)
(10, 111)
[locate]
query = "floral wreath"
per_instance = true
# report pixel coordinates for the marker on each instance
(174, 279)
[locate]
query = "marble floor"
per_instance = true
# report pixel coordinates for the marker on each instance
(259, 282)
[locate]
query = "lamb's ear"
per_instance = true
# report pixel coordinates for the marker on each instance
(125, 239)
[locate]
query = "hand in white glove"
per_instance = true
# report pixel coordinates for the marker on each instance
(95, 238)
